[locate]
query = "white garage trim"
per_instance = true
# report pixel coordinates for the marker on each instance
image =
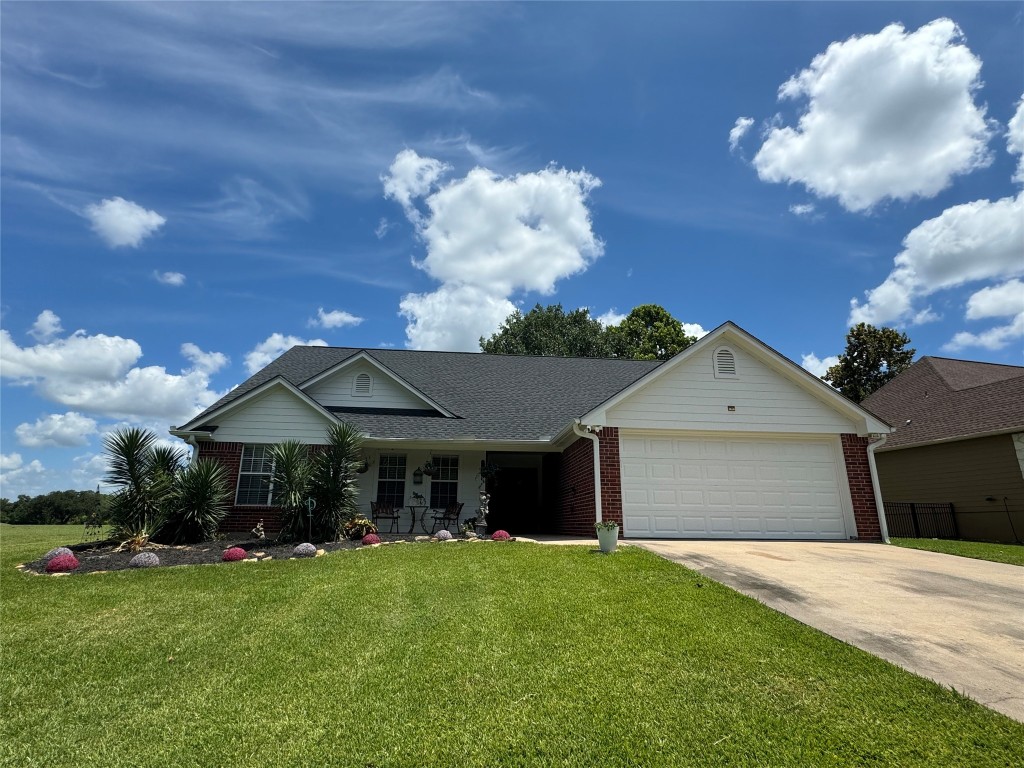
(685, 484)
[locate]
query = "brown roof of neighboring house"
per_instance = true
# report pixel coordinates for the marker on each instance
(939, 399)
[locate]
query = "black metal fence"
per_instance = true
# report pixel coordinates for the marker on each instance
(914, 520)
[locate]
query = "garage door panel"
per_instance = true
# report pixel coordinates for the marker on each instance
(694, 487)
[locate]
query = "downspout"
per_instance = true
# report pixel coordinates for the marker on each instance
(191, 440)
(873, 470)
(582, 431)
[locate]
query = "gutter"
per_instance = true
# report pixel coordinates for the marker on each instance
(590, 432)
(873, 470)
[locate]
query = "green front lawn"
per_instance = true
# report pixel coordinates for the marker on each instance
(449, 655)
(979, 550)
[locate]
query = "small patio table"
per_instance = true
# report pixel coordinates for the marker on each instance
(422, 510)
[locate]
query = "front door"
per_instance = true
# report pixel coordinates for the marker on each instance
(515, 500)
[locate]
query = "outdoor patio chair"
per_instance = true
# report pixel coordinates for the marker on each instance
(380, 511)
(447, 516)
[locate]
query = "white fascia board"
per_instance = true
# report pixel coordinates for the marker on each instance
(198, 434)
(732, 333)
(954, 439)
(277, 381)
(364, 357)
(464, 444)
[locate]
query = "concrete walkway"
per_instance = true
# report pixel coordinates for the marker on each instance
(955, 620)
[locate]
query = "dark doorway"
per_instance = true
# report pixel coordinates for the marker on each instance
(515, 500)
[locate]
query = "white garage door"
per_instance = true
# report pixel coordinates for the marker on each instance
(683, 487)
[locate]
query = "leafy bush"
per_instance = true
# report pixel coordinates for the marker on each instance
(144, 560)
(234, 554)
(304, 550)
(358, 527)
(500, 536)
(57, 552)
(606, 525)
(62, 564)
(443, 535)
(371, 538)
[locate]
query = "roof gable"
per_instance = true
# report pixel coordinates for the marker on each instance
(801, 384)
(938, 399)
(333, 387)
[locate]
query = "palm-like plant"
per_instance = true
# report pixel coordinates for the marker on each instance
(291, 487)
(141, 479)
(333, 480)
(199, 499)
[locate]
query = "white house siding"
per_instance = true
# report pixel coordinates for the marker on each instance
(690, 397)
(469, 483)
(336, 390)
(275, 416)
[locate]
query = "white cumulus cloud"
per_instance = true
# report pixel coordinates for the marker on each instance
(175, 279)
(887, 116)
(818, 366)
(488, 236)
(336, 318)
(29, 479)
(611, 317)
(207, 362)
(275, 345)
(46, 326)
(121, 222)
(738, 131)
(96, 375)
(997, 301)
(694, 329)
(56, 429)
(10, 461)
(993, 338)
(981, 240)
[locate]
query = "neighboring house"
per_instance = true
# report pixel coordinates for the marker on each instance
(728, 439)
(959, 439)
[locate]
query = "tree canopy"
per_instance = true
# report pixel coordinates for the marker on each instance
(649, 332)
(549, 331)
(873, 357)
(54, 508)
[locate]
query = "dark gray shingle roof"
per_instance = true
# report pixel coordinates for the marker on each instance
(947, 399)
(494, 397)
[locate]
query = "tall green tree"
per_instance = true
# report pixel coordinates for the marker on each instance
(873, 357)
(649, 332)
(549, 330)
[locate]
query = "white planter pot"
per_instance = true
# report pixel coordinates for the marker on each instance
(608, 540)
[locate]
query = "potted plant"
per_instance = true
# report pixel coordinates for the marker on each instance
(607, 535)
(488, 471)
(418, 500)
(429, 469)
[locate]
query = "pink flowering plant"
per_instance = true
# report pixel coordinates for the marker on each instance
(500, 536)
(233, 555)
(371, 538)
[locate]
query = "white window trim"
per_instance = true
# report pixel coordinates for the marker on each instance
(241, 473)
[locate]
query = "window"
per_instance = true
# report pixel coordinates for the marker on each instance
(362, 385)
(391, 480)
(444, 485)
(725, 363)
(255, 476)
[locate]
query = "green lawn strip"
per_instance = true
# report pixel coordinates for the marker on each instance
(449, 655)
(1012, 554)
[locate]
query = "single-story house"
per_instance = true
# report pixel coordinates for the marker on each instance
(959, 439)
(728, 439)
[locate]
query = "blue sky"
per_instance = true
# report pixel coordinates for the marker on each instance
(188, 189)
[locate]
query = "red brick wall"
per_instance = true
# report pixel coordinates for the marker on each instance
(240, 519)
(865, 512)
(611, 480)
(576, 492)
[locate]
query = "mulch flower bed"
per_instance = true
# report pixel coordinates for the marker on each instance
(103, 556)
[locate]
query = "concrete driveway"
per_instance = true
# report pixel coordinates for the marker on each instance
(957, 621)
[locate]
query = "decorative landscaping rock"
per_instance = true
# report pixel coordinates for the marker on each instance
(144, 560)
(233, 555)
(371, 538)
(443, 535)
(62, 564)
(57, 552)
(305, 550)
(500, 536)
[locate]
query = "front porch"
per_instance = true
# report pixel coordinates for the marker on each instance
(523, 487)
